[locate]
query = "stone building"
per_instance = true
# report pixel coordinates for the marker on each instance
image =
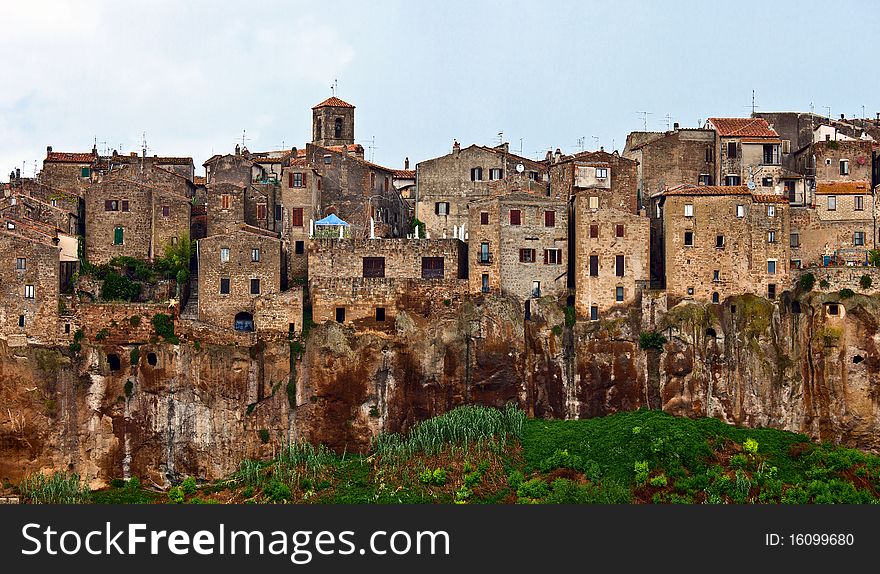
(682, 156)
(20, 206)
(446, 185)
(724, 240)
(518, 244)
(369, 281)
(181, 166)
(300, 198)
(68, 171)
(333, 123)
(135, 214)
(237, 268)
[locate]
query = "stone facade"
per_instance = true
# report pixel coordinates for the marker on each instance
(29, 286)
(299, 197)
(448, 184)
(718, 242)
(250, 259)
(518, 244)
(333, 123)
(68, 172)
(361, 276)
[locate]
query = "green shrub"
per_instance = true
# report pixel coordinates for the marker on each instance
(163, 325)
(276, 491)
(117, 483)
(135, 356)
(101, 335)
(750, 446)
(807, 281)
(133, 483)
(291, 393)
(865, 282)
(846, 293)
(264, 435)
(739, 461)
(175, 495)
(57, 488)
(374, 411)
(118, 287)
(188, 485)
(129, 388)
(652, 340)
(515, 478)
(534, 488)
(134, 320)
(641, 469)
(557, 330)
(436, 477)
(75, 347)
(570, 316)
(658, 481)
(824, 284)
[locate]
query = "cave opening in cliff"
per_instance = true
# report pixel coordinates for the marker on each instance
(858, 359)
(795, 306)
(113, 361)
(710, 332)
(152, 359)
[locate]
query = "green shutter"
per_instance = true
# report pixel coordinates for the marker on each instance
(85, 172)
(117, 236)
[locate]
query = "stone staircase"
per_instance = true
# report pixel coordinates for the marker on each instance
(191, 310)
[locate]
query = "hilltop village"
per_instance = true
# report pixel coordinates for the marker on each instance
(318, 233)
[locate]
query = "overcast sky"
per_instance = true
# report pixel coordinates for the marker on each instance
(546, 74)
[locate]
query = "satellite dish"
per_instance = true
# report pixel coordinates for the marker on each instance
(751, 185)
(520, 168)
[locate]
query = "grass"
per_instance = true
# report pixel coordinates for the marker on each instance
(58, 488)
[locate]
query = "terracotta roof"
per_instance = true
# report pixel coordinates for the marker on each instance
(66, 157)
(199, 180)
(708, 190)
(842, 188)
(769, 198)
(405, 173)
(743, 127)
(333, 102)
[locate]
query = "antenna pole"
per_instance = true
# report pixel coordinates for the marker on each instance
(753, 102)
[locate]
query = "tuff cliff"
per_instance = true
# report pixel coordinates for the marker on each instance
(162, 411)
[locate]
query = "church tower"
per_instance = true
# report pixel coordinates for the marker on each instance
(333, 123)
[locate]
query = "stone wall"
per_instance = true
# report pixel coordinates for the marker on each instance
(120, 323)
(101, 222)
(280, 312)
(818, 237)
(41, 268)
(571, 175)
(332, 258)
(828, 155)
(673, 158)
(843, 277)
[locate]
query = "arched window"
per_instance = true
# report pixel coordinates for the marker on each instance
(337, 128)
(715, 297)
(244, 322)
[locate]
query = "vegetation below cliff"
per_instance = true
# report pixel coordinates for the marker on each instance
(483, 455)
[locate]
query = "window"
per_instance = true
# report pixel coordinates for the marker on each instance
(715, 297)
(495, 174)
(859, 202)
(716, 275)
(328, 159)
(28, 291)
(740, 211)
(262, 212)
(709, 154)
(441, 208)
(771, 237)
(372, 180)
(173, 241)
(795, 263)
(526, 255)
(690, 290)
(380, 314)
(731, 149)
(594, 231)
(10, 225)
(21, 320)
(594, 313)
(767, 181)
(618, 294)
(688, 209)
(771, 211)
(619, 230)
(255, 255)
(118, 235)
(20, 263)
(619, 265)
(786, 146)
(337, 128)
(224, 255)
(296, 179)
(795, 240)
(731, 180)
(705, 179)
(476, 174)
(594, 265)
(536, 290)
(224, 201)
(515, 217)
(374, 267)
(124, 203)
(85, 172)
(549, 219)
(386, 183)
(859, 238)
(484, 286)
(111, 205)
(771, 154)
(552, 256)
(601, 172)
(833, 309)
(844, 167)
(166, 211)
(255, 286)
(299, 247)
(484, 253)
(832, 203)
(484, 218)
(719, 241)
(296, 217)
(340, 314)
(689, 238)
(534, 176)
(594, 202)
(771, 291)
(67, 328)
(432, 268)
(54, 202)
(771, 267)
(224, 285)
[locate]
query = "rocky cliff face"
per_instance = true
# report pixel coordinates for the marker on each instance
(199, 409)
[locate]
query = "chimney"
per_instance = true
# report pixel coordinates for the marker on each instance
(293, 152)
(675, 126)
(237, 150)
(557, 156)
(17, 173)
(406, 163)
(48, 149)
(601, 148)
(133, 154)
(843, 116)
(549, 156)
(456, 147)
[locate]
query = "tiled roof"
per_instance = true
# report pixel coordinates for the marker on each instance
(405, 173)
(333, 102)
(199, 180)
(769, 198)
(842, 188)
(708, 190)
(743, 127)
(66, 157)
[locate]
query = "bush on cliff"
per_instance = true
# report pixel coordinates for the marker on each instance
(807, 281)
(652, 340)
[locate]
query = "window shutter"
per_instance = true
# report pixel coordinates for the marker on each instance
(290, 179)
(106, 205)
(437, 208)
(304, 179)
(546, 256)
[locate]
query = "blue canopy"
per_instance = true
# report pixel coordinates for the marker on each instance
(331, 220)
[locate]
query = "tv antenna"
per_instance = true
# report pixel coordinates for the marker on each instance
(753, 102)
(597, 141)
(334, 87)
(521, 140)
(372, 148)
(645, 118)
(500, 138)
(829, 111)
(244, 138)
(668, 122)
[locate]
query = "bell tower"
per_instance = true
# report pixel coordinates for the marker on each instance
(333, 123)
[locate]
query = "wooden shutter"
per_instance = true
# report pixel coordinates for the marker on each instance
(304, 179)
(290, 179)
(546, 256)
(297, 217)
(108, 205)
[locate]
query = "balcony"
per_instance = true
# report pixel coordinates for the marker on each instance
(484, 259)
